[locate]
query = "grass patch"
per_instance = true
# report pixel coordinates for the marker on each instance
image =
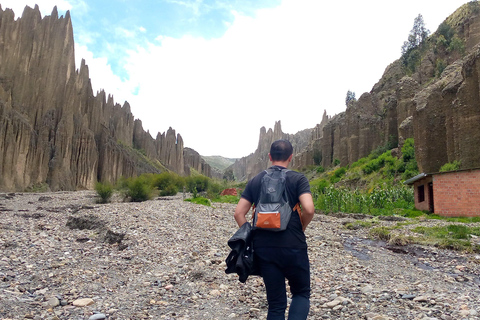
(227, 199)
(382, 233)
(400, 240)
(359, 224)
(455, 236)
(200, 200)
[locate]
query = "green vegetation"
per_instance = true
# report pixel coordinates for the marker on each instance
(454, 236)
(218, 162)
(381, 233)
(350, 97)
(168, 183)
(377, 202)
(38, 187)
(139, 189)
(451, 166)
(104, 192)
(371, 185)
(359, 224)
(227, 199)
(200, 200)
(413, 48)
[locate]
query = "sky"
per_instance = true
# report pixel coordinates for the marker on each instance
(216, 71)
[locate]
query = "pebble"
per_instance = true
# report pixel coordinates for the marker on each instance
(83, 302)
(170, 265)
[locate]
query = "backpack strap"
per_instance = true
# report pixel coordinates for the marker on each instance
(299, 210)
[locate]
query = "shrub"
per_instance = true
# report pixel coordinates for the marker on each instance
(213, 189)
(410, 167)
(319, 185)
(451, 166)
(104, 191)
(457, 44)
(337, 175)
(139, 189)
(169, 190)
(198, 182)
(446, 33)
(168, 183)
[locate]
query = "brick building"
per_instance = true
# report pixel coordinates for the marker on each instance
(452, 194)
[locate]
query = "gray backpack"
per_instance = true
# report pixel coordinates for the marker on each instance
(272, 212)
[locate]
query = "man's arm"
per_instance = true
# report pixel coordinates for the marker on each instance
(241, 211)
(308, 209)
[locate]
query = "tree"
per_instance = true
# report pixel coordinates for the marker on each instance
(417, 35)
(350, 97)
(228, 175)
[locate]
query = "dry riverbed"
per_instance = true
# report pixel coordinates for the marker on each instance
(63, 256)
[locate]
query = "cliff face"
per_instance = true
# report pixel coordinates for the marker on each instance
(441, 113)
(52, 128)
(447, 117)
(247, 167)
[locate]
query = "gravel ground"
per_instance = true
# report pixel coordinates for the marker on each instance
(63, 256)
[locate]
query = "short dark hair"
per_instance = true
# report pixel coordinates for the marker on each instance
(280, 150)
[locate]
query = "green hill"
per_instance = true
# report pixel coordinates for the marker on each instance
(218, 162)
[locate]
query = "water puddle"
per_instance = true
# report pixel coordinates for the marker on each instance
(357, 248)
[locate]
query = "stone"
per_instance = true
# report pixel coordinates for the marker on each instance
(131, 284)
(421, 299)
(83, 302)
(53, 302)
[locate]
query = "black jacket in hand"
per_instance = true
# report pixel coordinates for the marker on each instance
(240, 260)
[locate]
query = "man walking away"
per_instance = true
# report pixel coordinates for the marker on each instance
(282, 254)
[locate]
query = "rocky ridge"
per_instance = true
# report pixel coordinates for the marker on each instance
(53, 129)
(66, 257)
(247, 167)
(440, 111)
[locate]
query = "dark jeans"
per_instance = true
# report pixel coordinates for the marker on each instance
(276, 264)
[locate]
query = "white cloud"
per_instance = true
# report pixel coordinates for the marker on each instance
(102, 76)
(288, 63)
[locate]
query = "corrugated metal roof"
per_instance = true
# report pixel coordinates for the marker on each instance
(416, 178)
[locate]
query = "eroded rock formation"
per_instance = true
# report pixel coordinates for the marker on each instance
(53, 129)
(440, 112)
(247, 167)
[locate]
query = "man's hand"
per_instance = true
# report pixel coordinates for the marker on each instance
(241, 211)
(308, 209)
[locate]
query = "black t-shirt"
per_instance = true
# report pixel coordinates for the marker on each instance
(293, 237)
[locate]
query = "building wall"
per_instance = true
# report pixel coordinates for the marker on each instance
(419, 204)
(457, 193)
